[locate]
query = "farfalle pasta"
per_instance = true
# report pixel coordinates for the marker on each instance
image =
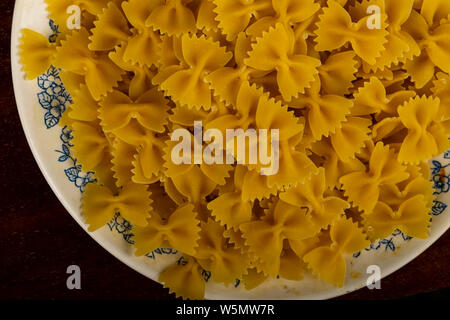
(187, 85)
(311, 195)
(159, 233)
(425, 136)
(358, 92)
(336, 28)
(429, 28)
(274, 51)
(265, 238)
(328, 261)
(101, 204)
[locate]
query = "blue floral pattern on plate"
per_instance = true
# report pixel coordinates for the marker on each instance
(53, 97)
(55, 31)
(441, 180)
(123, 227)
(74, 172)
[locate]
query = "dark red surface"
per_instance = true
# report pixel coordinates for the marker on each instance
(39, 239)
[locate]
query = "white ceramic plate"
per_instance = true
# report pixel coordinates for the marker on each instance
(41, 103)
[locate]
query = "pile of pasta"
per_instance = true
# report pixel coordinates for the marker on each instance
(360, 112)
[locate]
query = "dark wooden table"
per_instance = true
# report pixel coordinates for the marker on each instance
(39, 239)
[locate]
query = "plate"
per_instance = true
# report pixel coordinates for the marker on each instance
(41, 103)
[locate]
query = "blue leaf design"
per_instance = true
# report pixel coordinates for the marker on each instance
(391, 245)
(388, 243)
(53, 72)
(150, 255)
(63, 158)
(127, 237)
(438, 208)
(437, 167)
(66, 150)
(113, 222)
(405, 237)
(72, 173)
(53, 26)
(55, 29)
(50, 120)
(110, 225)
(68, 97)
(45, 100)
(437, 164)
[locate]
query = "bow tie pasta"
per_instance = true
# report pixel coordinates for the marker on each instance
(358, 90)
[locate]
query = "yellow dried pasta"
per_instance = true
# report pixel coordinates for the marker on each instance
(359, 92)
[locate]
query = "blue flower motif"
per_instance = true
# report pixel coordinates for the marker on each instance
(387, 244)
(51, 84)
(57, 106)
(80, 179)
(83, 179)
(72, 173)
(49, 79)
(66, 136)
(161, 251)
(441, 183)
(438, 208)
(122, 225)
(53, 97)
